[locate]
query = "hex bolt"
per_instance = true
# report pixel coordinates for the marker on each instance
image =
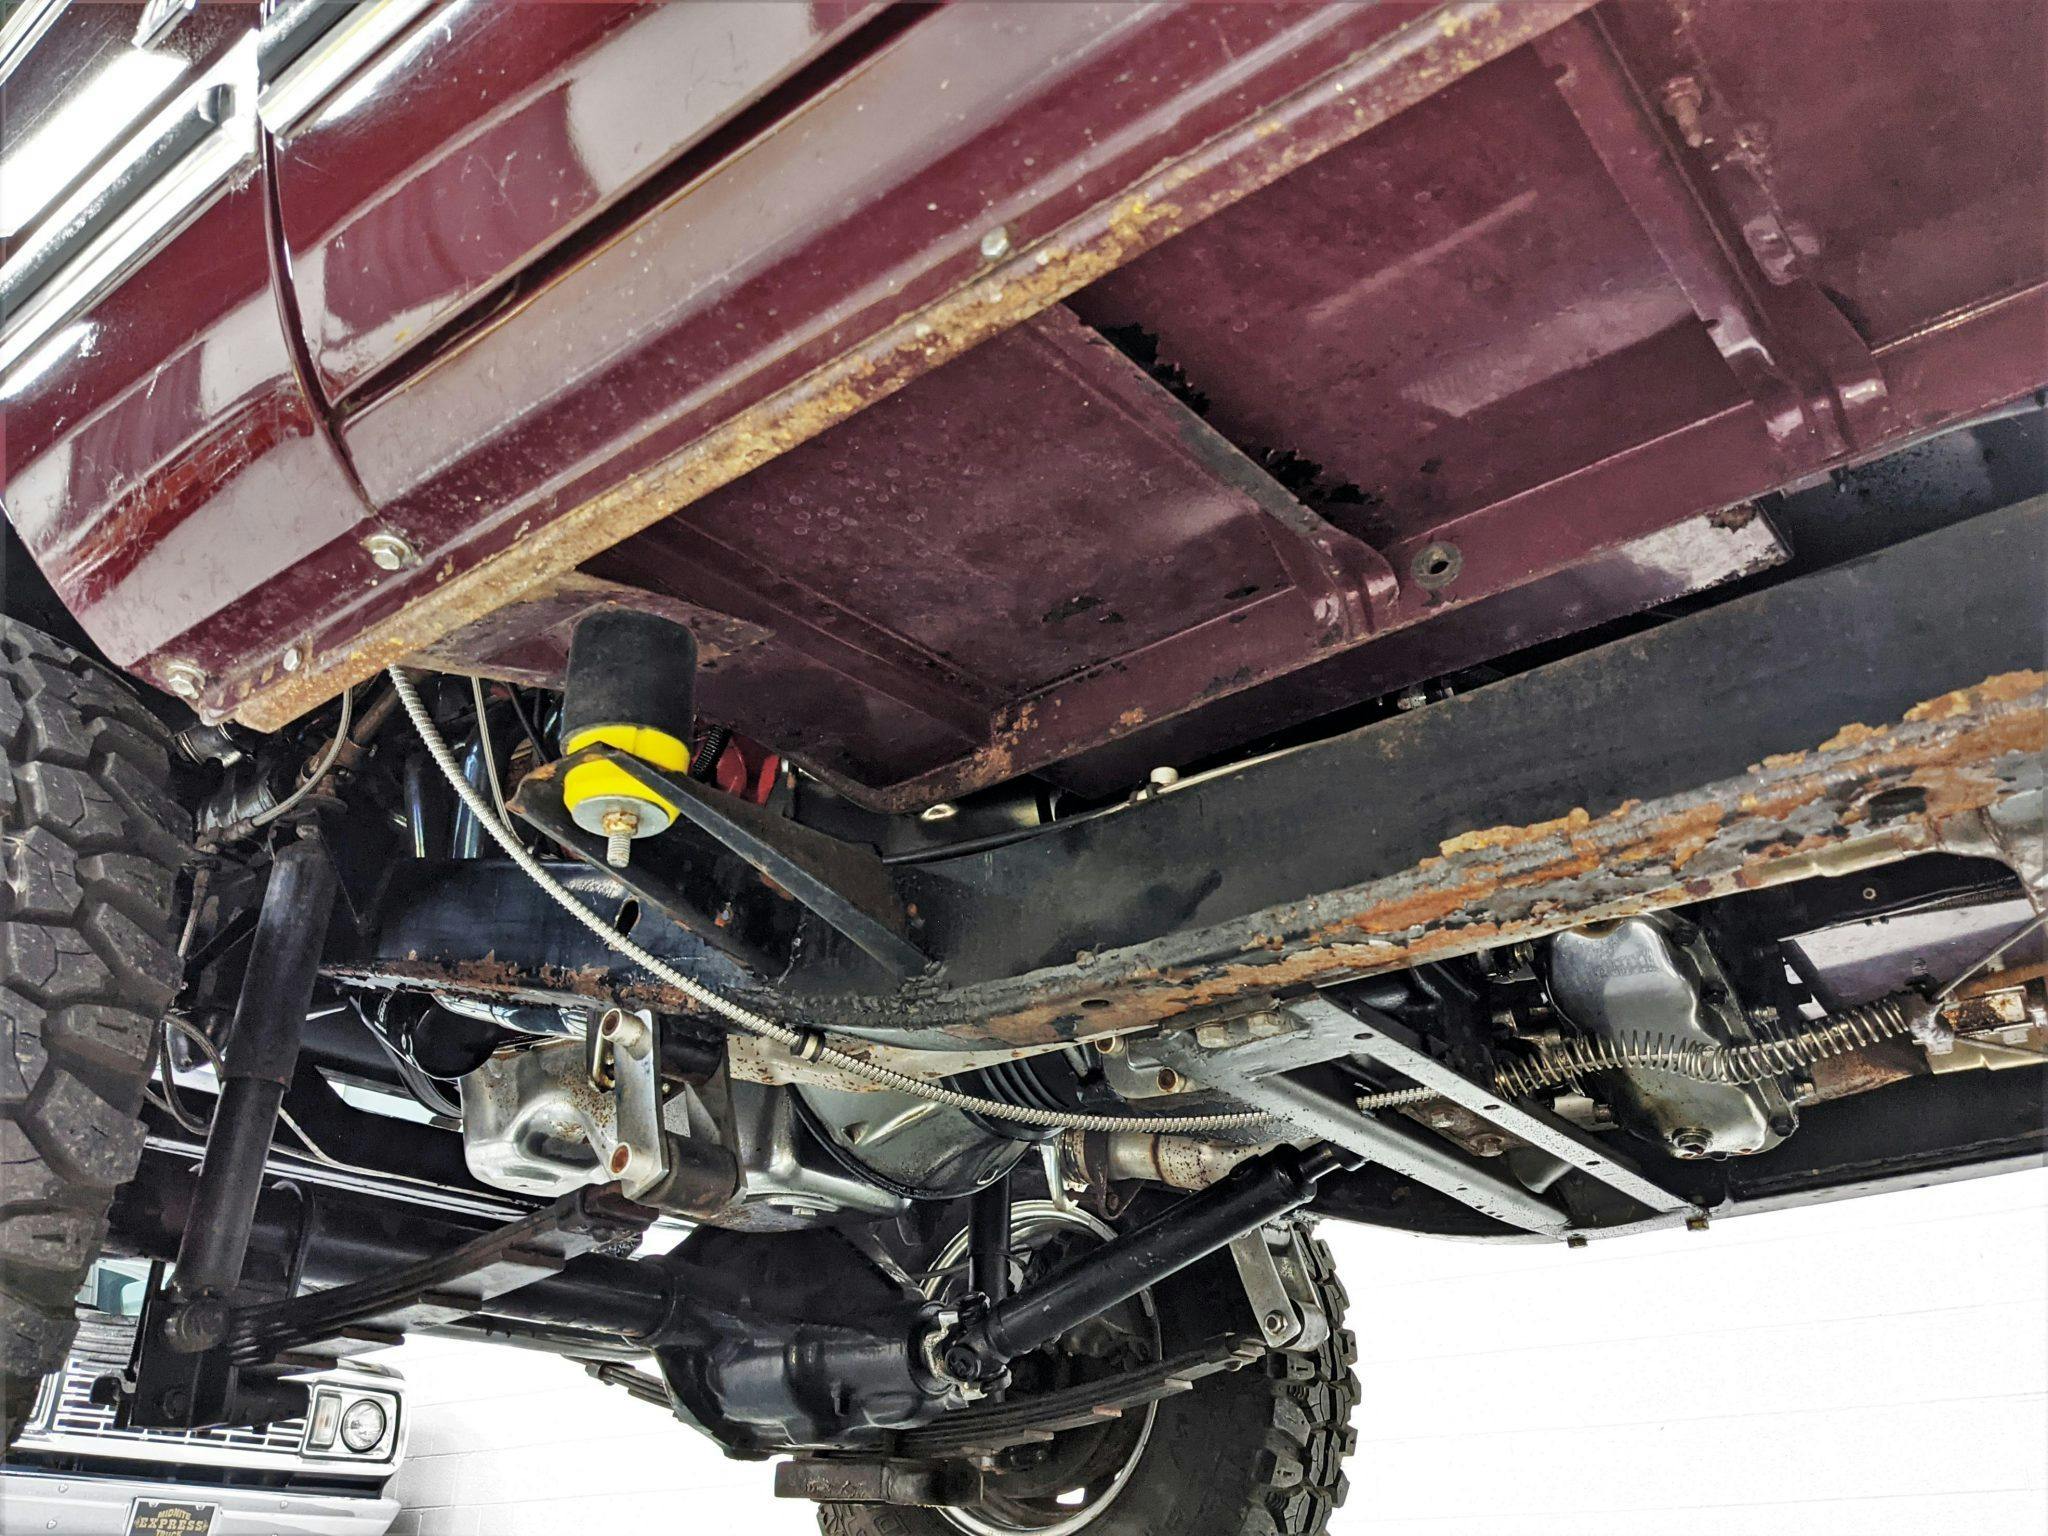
(1275, 1323)
(995, 245)
(619, 827)
(196, 1326)
(184, 679)
(1696, 1222)
(389, 552)
(962, 1364)
(1689, 1142)
(1682, 101)
(1163, 778)
(291, 658)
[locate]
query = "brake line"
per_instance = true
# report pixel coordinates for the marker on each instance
(807, 1044)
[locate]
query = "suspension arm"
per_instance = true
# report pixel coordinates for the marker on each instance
(1261, 1191)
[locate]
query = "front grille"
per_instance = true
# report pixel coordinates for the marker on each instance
(102, 1349)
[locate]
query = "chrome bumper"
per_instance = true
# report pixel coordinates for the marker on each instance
(78, 1504)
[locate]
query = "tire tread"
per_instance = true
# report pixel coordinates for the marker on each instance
(91, 847)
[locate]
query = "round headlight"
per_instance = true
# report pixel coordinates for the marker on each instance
(363, 1426)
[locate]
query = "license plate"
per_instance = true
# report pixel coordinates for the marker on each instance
(170, 1517)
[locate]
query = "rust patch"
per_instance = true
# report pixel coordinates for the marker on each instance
(1803, 815)
(1806, 816)
(2000, 981)
(2006, 688)
(1878, 1066)
(1575, 820)
(1852, 735)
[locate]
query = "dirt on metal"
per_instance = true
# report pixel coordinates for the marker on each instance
(1868, 796)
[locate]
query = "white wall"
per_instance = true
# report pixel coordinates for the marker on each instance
(1874, 1368)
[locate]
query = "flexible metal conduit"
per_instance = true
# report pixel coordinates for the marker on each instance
(803, 1042)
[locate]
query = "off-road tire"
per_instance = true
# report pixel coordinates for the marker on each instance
(90, 848)
(1256, 1452)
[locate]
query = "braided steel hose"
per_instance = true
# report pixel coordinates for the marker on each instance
(803, 1042)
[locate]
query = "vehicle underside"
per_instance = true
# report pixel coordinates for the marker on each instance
(850, 768)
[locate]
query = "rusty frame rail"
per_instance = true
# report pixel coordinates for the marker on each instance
(1861, 715)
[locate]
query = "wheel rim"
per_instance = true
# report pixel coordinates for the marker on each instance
(1082, 1470)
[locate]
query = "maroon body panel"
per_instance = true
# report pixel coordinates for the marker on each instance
(495, 132)
(1069, 389)
(164, 464)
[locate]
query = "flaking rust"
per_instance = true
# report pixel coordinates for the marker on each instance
(1864, 797)
(1867, 795)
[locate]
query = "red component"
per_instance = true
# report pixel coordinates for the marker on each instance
(748, 769)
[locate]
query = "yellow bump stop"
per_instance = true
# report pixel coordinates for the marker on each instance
(587, 781)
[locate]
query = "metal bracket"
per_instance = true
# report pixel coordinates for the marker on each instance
(845, 884)
(877, 1480)
(1413, 1154)
(632, 1147)
(1377, 1036)
(1699, 188)
(1273, 1265)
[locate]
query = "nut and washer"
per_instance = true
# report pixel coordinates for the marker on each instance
(184, 679)
(995, 245)
(388, 552)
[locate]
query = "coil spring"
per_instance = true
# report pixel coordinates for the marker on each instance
(1753, 1061)
(1394, 1098)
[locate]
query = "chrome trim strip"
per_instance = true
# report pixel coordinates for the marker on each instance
(314, 72)
(142, 197)
(20, 280)
(24, 29)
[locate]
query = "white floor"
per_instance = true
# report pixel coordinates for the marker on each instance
(1876, 1368)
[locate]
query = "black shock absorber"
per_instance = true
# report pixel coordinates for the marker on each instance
(262, 1053)
(1261, 1191)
